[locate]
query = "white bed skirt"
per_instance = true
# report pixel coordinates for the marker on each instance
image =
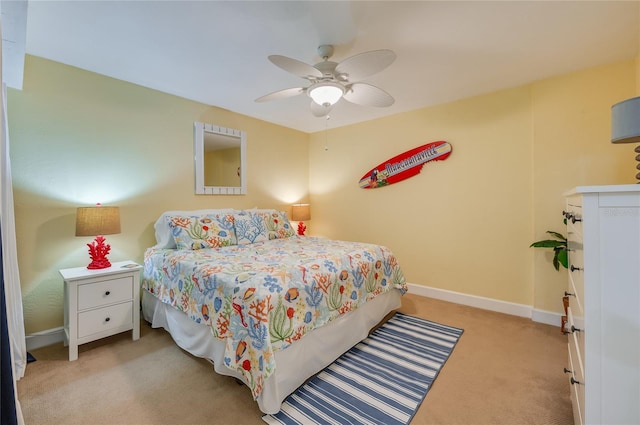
(303, 359)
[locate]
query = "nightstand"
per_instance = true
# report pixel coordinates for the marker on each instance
(100, 303)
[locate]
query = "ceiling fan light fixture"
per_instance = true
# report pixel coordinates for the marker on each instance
(326, 92)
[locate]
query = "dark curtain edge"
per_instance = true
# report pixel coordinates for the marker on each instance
(8, 413)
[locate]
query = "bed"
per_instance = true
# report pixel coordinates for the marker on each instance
(264, 305)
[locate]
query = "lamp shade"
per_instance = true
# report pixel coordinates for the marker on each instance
(625, 121)
(98, 220)
(326, 92)
(301, 212)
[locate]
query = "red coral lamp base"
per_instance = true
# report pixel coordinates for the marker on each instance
(98, 251)
(301, 228)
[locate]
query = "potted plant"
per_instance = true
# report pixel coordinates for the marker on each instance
(559, 246)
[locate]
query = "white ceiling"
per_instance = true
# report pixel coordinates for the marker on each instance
(215, 52)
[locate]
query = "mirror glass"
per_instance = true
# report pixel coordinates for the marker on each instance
(220, 162)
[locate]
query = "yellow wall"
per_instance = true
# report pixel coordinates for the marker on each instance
(465, 224)
(572, 133)
(78, 138)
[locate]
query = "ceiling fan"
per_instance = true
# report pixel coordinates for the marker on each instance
(331, 81)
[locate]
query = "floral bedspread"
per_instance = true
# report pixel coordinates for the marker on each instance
(262, 297)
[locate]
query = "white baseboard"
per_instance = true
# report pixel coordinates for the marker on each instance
(44, 338)
(56, 335)
(491, 304)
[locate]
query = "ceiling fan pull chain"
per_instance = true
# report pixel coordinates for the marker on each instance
(326, 136)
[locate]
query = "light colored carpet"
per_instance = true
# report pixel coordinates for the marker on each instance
(504, 370)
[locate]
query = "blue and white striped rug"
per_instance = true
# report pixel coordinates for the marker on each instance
(381, 380)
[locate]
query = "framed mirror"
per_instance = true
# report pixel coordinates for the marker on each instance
(220, 160)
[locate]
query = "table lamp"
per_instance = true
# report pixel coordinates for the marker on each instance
(625, 125)
(98, 221)
(301, 213)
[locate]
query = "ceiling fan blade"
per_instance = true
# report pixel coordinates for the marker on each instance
(281, 94)
(368, 95)
(295, 67)
(365, 64)
(320, 110)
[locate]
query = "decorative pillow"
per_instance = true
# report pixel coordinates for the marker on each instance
(259, 226)
(164, 236)
(202, 231)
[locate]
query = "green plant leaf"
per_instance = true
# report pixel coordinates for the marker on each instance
(556, 263)
(548, 243)
(557, 235)
(559, 246)
(563, 258)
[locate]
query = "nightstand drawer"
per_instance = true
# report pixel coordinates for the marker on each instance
(104, 319)
(105, 292)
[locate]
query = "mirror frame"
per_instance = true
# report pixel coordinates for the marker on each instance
(198, 146)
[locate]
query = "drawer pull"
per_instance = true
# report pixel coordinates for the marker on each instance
(574, 329)
(574, 268)
(569, 294)
(573, 381)
(574, 219)
(106, 294)
(107, 319)
(567, 370)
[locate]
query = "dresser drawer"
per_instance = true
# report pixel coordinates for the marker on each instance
(576, 288)
(576, 337)
(576, 392)
(105, 292)
(577, 367)
(105, 319)
(576, 270)
(576, 361)
(573, 216)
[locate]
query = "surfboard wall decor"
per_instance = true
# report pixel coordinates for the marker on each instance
(405, 165)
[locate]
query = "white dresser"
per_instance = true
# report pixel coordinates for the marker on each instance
(100, 303)
(603, 312)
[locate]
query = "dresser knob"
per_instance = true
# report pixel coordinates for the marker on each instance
(107, 293)
(574, 329)
(573, 381)
(574, 219)
(569, 294)
(107, 319)
(567, 370)
(574, 268)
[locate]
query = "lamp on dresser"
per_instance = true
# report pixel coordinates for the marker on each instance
(625, 125)
(98, 221)
(301, 213)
